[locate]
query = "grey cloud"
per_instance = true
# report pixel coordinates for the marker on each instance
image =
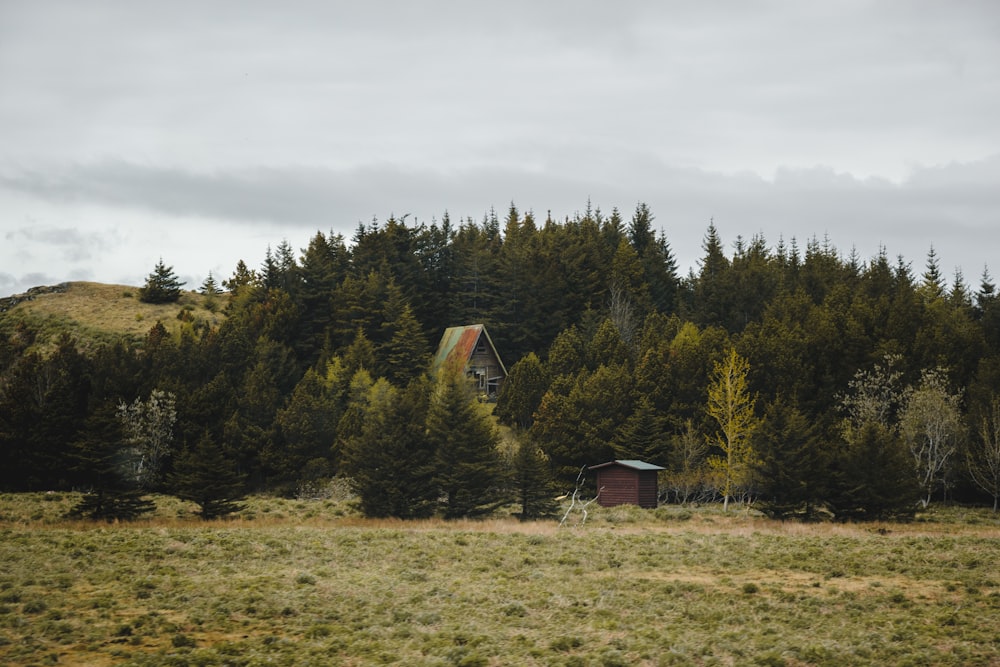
(74, 245)
(944, 205)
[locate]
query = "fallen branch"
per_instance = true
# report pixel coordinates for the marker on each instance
(574, 497)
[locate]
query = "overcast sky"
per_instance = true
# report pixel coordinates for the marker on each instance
(202, 132)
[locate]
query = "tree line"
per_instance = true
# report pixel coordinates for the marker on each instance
(321, 368)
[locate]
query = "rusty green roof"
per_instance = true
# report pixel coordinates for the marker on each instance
(458, 343)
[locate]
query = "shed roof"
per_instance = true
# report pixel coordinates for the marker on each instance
(629, 463)
(458, 343)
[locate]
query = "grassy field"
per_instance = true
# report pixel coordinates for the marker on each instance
(308, 582)
(95, 313)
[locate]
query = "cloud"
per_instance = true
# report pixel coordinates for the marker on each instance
(952, 207)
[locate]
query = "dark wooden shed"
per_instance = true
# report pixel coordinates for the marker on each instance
(627, 482)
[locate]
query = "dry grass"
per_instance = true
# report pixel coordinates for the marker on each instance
(94, 313)
(310, 582)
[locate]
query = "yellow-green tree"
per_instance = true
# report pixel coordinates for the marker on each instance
(731, 405)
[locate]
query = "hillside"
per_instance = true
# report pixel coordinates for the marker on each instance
(95, 313)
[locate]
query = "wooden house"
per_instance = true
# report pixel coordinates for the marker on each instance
(627, 482)
(470, 348)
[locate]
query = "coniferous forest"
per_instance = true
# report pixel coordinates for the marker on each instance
(805, 380)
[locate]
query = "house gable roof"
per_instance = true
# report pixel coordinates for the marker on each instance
(629, 463)
(458, 344)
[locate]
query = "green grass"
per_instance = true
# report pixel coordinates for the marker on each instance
(294, 582)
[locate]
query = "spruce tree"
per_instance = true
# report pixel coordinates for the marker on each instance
(642, 436)
(210, 290)
(534, 483)
(876, 480)
(403, 350)
(388, 458)
(162, 285)
(96, 460)
(243, 277)
(206, 477)
(522, 392)
(209, 286)
(468, 465)
(793, 465)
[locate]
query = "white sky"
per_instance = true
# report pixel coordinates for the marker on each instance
(201, 132)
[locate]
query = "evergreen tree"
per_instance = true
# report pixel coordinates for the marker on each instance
(932, 286)
(43, 403)
(209, 286)
(97, 461)
(210, 290)
(876, 478)
(323, 267)
(242, 278)
(465, 443)
(205, 476)
(793, 465)
(162, 285)
(533, 482)
(308, 427)
(403, 346)
(712, 289)
(643, 436)
(522, 392)
(389, 459)
(578, 427)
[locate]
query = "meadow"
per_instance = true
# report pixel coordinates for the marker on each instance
(295, 582)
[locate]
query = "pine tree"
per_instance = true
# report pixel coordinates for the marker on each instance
(534, 483)
(206, 477)
(932, 286)
(403, 349)
(876, 480)
(642, 435)
(209, 286)
(242, 277)
(96, 459)
(521, 393)
(308, 426)
(388, 457)
(210, 290)
(465, 443)
(162, 285)
(793, 464)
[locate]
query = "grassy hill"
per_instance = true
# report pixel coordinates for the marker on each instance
(95, 313)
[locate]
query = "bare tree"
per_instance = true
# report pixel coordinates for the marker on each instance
(687, 476)
(874, 396)
(931, 424)
(574, 501)
(148, 427)
(984, 455)
(622, 314)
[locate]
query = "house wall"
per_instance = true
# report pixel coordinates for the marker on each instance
(648, 489)
(618, 486)
(485, 362)
(621, 485)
